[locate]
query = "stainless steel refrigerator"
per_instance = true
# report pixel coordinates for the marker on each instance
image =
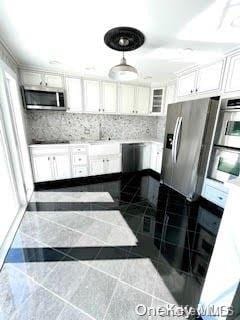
(189, 131)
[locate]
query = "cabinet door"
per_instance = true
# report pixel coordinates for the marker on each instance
(53, 81)
(209, 78)
(91, 96)
(42, 167)
(109, 97)
(142, 100)
(113, 165)
(62, 168)
(31, 78)
(74, 94)
(186, 84)
(157, 101)
(158, 167)
(146, 156)
(233, 81)
(97, 166)
(170, 95)
(156, 158)
(126, 99)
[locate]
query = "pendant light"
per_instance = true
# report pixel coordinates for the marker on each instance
(123, 71)
(123, 39)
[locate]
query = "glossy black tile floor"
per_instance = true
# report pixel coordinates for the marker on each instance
(97, 250)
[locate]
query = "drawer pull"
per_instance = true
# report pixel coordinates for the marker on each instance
(220, 198)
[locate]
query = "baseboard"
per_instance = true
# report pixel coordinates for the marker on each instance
(11, 234)
(90, 179)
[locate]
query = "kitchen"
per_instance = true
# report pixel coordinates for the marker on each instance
(117, 177)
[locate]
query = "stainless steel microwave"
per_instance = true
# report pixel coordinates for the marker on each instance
(38, 98)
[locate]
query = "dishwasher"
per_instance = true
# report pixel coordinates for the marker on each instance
(133, 157)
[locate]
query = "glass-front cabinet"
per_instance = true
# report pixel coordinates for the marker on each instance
(157, 101)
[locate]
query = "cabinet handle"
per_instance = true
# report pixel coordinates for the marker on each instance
(48, 158)
(196, 90)
(103, 160)
(40, 83)
(46, 84)
(54, 158)
(133, 111)
(103, 110)
(136, 111)
(220, 198)
(99, 110)
(107, 160)
(191, 91)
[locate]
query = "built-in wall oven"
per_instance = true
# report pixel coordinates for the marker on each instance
(225, 158)
(36, 97)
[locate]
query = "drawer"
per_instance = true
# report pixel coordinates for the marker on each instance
(79, 159)
(80, 171)
(80, 149)
(104, 149)
(215, 195)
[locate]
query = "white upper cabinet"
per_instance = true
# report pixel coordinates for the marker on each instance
(53, 81)
(233, 76)
(41, 79)
(74, 94)
(142, 100)
(210, 78)
(92, 96)
(109, 97)
(127, 99)
(170, 95)
(157, 101)
(187, 84)
(31, 78)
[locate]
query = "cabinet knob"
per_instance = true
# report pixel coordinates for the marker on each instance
(40, 83)
(196, 90)
(48, 158)
(53, 158)
(103, 160)
(99, 110)
(103, 110)
(191, 91)
(136, 111)
(46, 84)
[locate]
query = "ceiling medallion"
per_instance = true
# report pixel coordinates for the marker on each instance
(123, 39)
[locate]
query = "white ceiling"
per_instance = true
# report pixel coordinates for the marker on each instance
(72, 31)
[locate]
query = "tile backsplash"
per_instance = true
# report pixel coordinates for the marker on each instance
(50, 125)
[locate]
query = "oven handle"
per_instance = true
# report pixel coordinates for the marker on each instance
(57, 97)
(229, 149)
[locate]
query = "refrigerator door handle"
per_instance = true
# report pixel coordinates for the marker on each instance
(176, 141)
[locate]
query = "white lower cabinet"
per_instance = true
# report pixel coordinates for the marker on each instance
(105, 165)
(156, 157)
(62, 168)
(51, 167)
(42, 168)
(73, 161)
(113, 165)
(96, 167)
